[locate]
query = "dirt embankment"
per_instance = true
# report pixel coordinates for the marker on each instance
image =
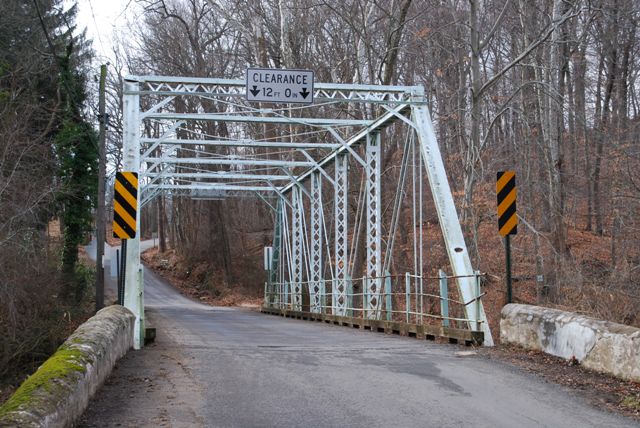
(601, 390)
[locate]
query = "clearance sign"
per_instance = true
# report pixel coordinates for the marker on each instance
(125, 205)
(279, 85)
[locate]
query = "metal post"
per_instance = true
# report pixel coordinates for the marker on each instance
(296, 251)
(349, 295)
(507, 250)
(118, 269)
(121, 254)
(339, 302)
(323, 296)
(387, 289)
(444, 296)
(266, 299)
(286, 295)
(315, 281)
(141, 326)
(374, 227)
(477, 302)
(131, 162)
(407, 293)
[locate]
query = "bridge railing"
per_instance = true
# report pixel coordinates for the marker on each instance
(402, 298)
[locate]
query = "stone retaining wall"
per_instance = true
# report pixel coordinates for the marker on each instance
(57, 394)
(599, 345)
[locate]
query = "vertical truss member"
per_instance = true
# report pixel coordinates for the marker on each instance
(339, 297)
(297, 235)
(316, 280)
(374, 228)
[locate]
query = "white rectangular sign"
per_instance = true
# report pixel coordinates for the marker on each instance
(279, 85)
(268, 257)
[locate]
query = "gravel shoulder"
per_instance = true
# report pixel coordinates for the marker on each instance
(603, 391)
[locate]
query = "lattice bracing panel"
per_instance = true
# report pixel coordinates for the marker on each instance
(341, 224)
(315, 282)
(374, 228)
(297, 236)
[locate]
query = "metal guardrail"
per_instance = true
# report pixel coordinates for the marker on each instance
(411, 305)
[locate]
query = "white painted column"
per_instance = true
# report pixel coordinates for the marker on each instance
(134, 281)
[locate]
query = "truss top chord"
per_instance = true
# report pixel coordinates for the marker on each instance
(414, 89)
(168, 85)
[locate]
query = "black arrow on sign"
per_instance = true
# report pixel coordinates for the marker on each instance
(255, 91)
(304, 93)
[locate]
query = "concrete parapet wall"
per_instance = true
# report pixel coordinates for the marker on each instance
(57, 394)
(599, 345)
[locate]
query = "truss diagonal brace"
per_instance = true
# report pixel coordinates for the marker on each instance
(317, 169)
(377, 125)
(448, 218)
(346, 146)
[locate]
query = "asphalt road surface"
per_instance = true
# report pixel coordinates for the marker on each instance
(221, 367)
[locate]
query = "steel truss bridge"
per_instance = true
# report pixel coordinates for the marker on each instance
(209, 142)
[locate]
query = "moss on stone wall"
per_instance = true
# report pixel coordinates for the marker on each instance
(64, 364)
(59, 391)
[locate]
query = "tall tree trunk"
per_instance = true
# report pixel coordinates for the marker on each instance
(603, 128)
(554, 140)
(580, 69)
(473, 145)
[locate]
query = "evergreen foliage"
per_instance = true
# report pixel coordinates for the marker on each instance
(48, 170)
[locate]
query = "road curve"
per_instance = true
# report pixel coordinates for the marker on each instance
(221, 367)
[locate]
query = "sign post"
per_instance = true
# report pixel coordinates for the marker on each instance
(125, 207)
(279, 85)
(507, 217)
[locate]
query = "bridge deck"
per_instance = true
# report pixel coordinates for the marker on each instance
(230, 367)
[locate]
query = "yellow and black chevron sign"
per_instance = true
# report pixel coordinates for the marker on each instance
(125, 205)
(506, 191)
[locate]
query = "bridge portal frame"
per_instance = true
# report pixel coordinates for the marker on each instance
(158, 173)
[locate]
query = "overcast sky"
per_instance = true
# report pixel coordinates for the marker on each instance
(103, 19)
